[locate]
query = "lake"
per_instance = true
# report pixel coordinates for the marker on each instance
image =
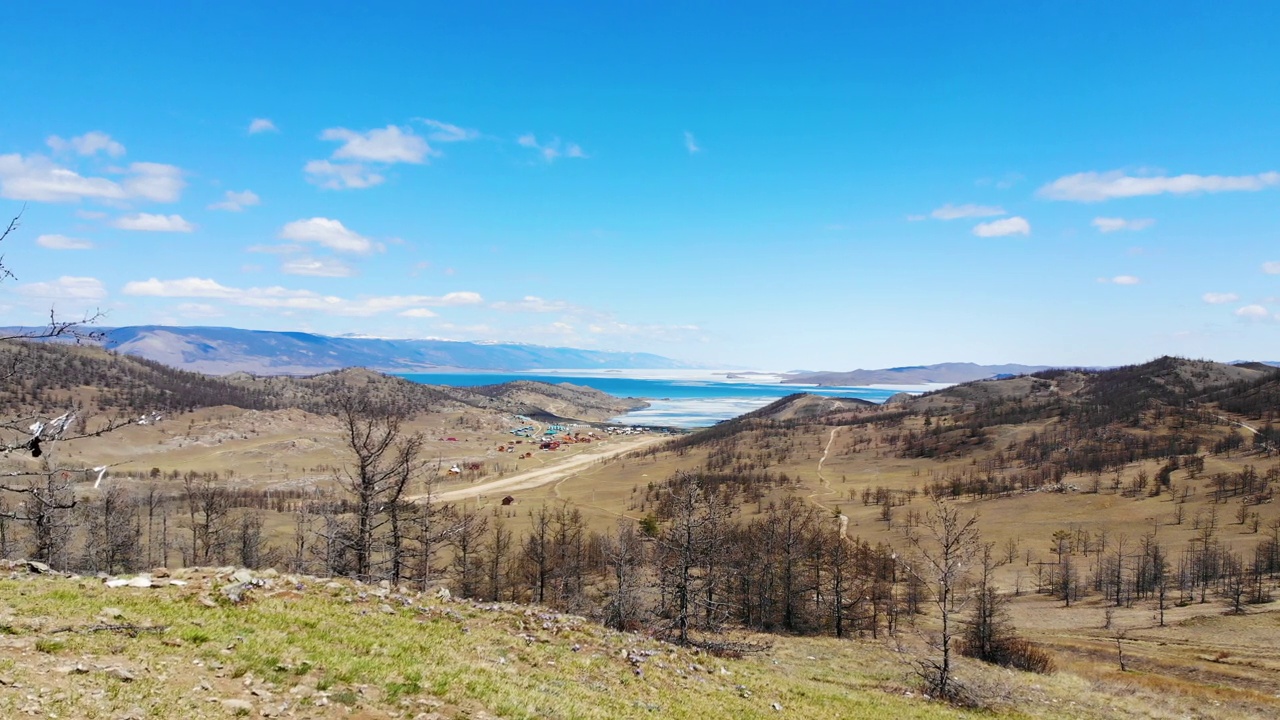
(681, 398)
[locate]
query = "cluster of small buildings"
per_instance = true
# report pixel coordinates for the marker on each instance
(626, 430)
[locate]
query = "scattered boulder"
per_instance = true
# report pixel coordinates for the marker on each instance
(119, 673)
(238, 706)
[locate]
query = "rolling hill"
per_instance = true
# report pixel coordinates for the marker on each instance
(955, 372)
(220, 351)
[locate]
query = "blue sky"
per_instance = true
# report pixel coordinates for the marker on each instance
(769, 185)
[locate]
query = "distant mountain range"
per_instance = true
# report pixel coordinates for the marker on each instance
(915, 374)
(220, 351)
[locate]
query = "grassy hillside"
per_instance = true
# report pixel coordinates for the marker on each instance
(305, 647)
(299, 646)
(45, 377)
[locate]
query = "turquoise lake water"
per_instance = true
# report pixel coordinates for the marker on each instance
(675, 402)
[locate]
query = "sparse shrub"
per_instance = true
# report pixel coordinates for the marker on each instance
(50, 645)
(1013, 652)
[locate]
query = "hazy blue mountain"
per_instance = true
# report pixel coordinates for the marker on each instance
(915, 374)
(217, 350)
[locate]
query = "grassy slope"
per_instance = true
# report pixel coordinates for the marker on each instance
(324, 649)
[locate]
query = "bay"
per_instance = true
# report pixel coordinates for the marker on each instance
(690, 401)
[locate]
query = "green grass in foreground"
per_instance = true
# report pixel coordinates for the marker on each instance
(339, 650)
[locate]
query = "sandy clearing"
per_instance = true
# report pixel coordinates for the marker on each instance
(538, 477)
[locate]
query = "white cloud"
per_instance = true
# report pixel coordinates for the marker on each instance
(691, 143)
(1110, 224)
(457, 298)
(154, 181)
(329, 233)
(261, 125)
(1000, 228)
(37, 178)
(66, 287)
(236, 201)
(341, 176)
(199, 310)
(663, 333)
(1214, 298)
(1253, 312)
(445, 132)
(534, 304)
(62, 242)
(1271, 268)
(955, 212)
(1125, 280)
(392, 144)
(91, 143)
(316, 267)
(418, 313)
(280, 298)
(1096, 187)
(551, 149)
(153, 223)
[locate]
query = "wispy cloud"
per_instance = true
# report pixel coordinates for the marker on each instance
(956, 212)
(1001, 228)
(316, 267)
(39, 179)
(1122, 280)
(392, 144)
(62, 242)
(236, 201)
(286, 299)
(1003, 182)
(66, 287)
(1271, 268)
(1253, 312)
(418, 313)
(1214, 298)
(551, 149)
(445, 132)
(379, 147)
(148, 222)
(91, 143)
(535, 304)
(329, 233)
(341, 176)
(1097, 187)
(1115, 224)
(261, 125)
(691, 143)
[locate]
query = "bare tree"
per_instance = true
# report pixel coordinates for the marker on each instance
(385, 460)
(624, 556)
(112, 534)
(497, 559)
(468, 570)
(944, 556)
(209, 516)
(55, 328)
(695, 532)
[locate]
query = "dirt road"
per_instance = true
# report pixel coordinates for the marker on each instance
(539, 476)
(844, 519)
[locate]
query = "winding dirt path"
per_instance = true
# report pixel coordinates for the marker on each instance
(537, 477)
(844, 519)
